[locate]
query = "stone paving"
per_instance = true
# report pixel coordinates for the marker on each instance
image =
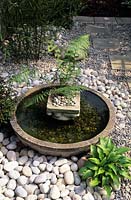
(120, 64)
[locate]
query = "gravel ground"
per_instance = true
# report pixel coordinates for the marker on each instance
(26, 174)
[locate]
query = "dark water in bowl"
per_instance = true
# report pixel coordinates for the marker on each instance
(93, 119)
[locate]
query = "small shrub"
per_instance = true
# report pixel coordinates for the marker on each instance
(106, 165)
(25, 24)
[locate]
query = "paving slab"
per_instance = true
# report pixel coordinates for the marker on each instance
(105, 20)
(89, 20)
(121, 62)
(108, 43)
(123, 20)
(96, 29)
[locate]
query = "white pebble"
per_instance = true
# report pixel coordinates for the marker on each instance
(22, 180)
(9, 193)
(64, 168)
(20, 191)
(11, 155)
(69, 178)
(31, 188)
(60, 162)
(9, 166)
(14, 174)
(1, 137)
(41, 178)
(11, 146)
(74, 167)
(11, 184)
(36, 163)
(27, 171)
(35, 170)
(4, 150)
(4, 180)
(42, 167)
(49, 167)
(44, 188)
(22, 160)
(31, 197)
(54, 192)
(64, 193)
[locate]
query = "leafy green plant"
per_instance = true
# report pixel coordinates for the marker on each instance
(106, 165)
(68, 69)
(26, 23)
(24, 75)
(6, 101)
(67, 58)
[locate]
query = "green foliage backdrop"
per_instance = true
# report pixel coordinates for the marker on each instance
(28, 21)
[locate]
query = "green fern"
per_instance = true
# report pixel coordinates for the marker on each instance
(78, 47)
(23, 75)
(36, 99)
(67, 91)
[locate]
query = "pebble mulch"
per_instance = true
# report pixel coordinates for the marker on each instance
(28, 175)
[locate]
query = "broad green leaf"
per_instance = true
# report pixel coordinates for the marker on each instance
(114, 178)
(105, 150)
(91, 165)
(93, 150)
(108, 190)
(125, 174)
(122, 150)
(100, 152)
(103, 162)
(86, 173)
(94, 182)
(94, 160)
(105, 180)
(101, 171)
(113, 167)
(110, 144)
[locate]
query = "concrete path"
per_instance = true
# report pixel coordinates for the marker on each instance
(120, 64)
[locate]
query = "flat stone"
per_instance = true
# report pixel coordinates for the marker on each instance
(108, 43)
(89, 20)
(110, 20)
(99, 20)
(123, 20)
(120, 62)
(96, 29)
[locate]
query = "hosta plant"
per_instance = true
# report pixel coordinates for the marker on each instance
(106, 165)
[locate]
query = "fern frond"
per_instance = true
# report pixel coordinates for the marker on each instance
(79, 47)
(36, 99)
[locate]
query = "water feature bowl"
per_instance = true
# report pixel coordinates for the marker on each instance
(62, 138)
